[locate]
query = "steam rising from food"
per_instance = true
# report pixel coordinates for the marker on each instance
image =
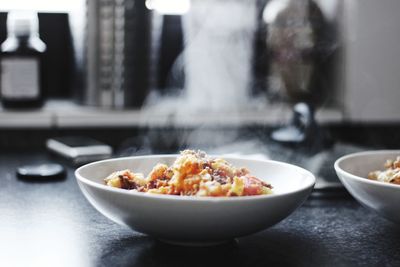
(217, 61)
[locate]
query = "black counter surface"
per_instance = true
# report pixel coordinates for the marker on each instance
(52, 224)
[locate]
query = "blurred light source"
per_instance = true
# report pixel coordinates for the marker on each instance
(169, 7)
(41, 5)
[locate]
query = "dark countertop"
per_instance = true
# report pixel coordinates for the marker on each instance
(52, 224)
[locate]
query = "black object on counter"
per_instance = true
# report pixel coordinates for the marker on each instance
(20, 62)
(41, 172)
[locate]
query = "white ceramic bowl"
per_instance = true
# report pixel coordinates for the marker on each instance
(195, 220)
(383, 198)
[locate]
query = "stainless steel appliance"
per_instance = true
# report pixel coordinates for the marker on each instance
(117, 53)
(294, 42)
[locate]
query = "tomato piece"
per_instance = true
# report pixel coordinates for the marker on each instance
(252, 186)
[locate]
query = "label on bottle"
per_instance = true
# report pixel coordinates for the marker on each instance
(19, 78)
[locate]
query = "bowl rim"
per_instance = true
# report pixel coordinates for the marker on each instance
(307, 185)
(338, 169)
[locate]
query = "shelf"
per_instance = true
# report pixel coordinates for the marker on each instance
(66, 114)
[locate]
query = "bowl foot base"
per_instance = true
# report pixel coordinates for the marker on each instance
(195, 243)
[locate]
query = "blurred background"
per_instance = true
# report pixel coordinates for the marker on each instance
(302, 81)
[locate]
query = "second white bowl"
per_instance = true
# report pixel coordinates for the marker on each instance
(353, 170)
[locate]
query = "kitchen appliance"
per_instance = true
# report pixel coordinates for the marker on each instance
(294, 45)
(117, 53)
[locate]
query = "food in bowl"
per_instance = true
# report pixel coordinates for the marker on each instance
(192, 174)
(391, 174)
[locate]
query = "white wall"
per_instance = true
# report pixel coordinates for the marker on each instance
(371, 31)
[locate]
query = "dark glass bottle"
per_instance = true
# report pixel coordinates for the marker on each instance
(20, 62)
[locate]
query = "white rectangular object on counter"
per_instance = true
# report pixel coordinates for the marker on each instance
(79, 149)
